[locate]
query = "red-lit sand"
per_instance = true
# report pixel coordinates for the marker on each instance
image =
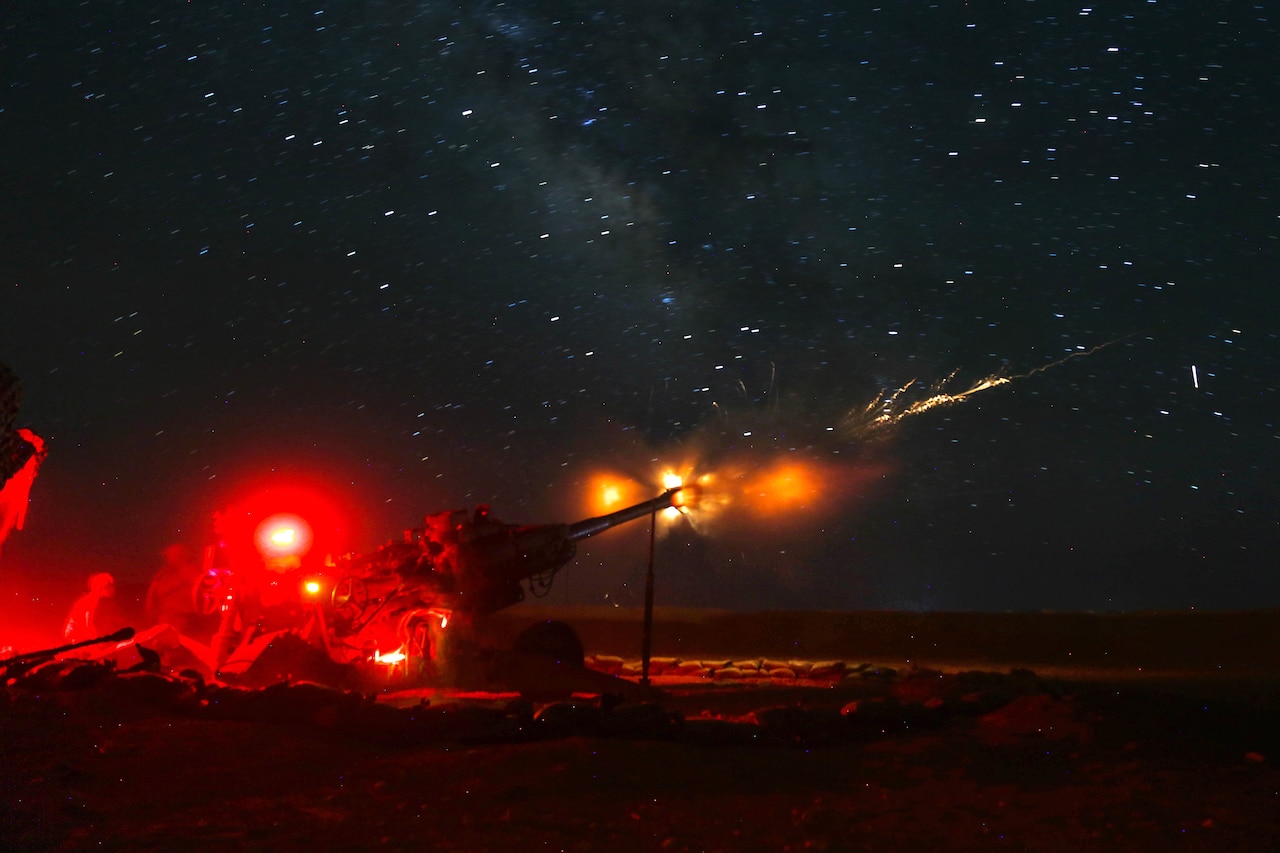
(1149, 732)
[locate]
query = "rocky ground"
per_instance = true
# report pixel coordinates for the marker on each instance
(752, 753)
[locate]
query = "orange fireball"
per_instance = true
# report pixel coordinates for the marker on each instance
(787, 487)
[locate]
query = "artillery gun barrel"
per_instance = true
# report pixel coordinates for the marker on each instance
(118, 637)
(592, 526)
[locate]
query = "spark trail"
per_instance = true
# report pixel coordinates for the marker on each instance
(890, 408)
(762, 486)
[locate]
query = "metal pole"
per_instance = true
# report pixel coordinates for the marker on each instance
(648, 604)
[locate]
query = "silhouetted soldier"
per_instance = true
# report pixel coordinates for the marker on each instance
(170, 596)
(94, 614)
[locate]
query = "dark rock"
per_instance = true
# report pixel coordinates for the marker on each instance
(150, 688)
(561, 719)
(646, 720)
(716, 732)
(877, 713)
(805, 726)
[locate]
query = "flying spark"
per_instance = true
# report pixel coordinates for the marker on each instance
(890, 408)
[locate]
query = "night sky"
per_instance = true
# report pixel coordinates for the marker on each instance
(423, 255)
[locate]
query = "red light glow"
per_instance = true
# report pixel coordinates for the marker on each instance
(281, 525)
(390, 658)
(283, 535)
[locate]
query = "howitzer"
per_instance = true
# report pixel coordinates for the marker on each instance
(478, 565)
(392, 606)
(458, 567)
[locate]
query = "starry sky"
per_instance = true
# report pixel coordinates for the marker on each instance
(423, 255)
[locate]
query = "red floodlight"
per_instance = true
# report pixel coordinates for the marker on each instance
(283, 535)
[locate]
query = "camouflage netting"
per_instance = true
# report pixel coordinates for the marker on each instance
(14, 450)
(21, 452)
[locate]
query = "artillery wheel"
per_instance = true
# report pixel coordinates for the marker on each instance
(212, 590)
(350, 598)
(553, 642)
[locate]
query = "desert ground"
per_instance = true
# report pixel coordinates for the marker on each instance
(767, 731)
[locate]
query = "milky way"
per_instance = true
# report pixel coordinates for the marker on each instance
(428, 255)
